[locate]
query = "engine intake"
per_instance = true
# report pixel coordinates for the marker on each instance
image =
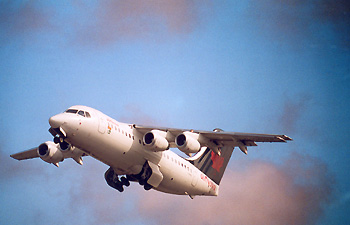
(64, 146)
(155, 140)
(188, 142)
(43, 150)
(49, 152)
(69, 151)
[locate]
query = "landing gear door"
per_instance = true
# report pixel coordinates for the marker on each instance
(156, 176)
(102, 125)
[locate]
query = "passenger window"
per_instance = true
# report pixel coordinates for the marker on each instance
(81, 113)
(87, 114)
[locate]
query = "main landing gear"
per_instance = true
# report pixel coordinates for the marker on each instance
(113, 179)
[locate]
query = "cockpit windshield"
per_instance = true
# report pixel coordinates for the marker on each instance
(74, 111)
(80, 112)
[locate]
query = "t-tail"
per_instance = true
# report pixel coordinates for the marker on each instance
(211, 164)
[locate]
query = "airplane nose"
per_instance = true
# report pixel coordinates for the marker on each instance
(56, 121)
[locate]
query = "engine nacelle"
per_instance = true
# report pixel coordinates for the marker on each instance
(69, 151)
(65, 147)
(188, 142)
(155, 140)
(50, 153)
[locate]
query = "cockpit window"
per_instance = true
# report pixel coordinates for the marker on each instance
(74, 111)
(81, 113)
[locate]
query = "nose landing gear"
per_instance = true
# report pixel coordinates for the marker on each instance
(58, 137)
(60, 140)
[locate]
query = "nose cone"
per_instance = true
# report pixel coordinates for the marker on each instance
(56, 121)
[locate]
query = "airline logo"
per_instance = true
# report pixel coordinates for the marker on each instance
(217, 161)
(210, 183)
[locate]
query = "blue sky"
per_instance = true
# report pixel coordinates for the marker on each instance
(253, 66)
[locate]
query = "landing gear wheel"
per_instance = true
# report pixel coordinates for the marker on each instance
(147, 187)
(119, 187)
(142, 182)
(56, 140)
(125, 181)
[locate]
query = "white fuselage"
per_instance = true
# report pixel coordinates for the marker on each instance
(120, 146)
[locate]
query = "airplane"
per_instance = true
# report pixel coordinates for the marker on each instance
(142, 154)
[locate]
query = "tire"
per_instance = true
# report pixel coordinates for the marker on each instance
(147, 187)
(119, 188)
(125, 181)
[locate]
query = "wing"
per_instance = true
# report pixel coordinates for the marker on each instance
(241, 140)
(29, 154)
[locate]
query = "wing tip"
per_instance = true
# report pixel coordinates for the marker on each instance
(14, 156)
(29, 154)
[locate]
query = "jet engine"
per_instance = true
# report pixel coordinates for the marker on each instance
(155, 140)
(69, 151)
(49, 152)
(65, 146)
(188, 142)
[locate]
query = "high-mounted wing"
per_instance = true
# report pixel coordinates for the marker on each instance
(29, 154)
(221, 138)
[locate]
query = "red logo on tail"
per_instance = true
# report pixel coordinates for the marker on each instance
(217, 161)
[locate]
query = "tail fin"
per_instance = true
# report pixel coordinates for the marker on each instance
(213, 165)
